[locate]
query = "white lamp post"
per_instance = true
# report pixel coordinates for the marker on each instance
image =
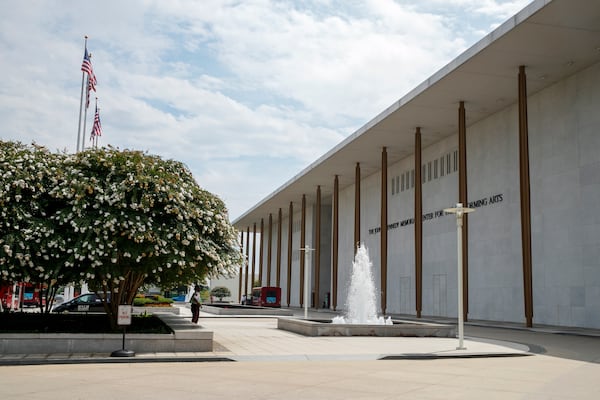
(306, 251)
(459, 210)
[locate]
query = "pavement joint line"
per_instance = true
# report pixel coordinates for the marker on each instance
(425, 356)
(148, 358)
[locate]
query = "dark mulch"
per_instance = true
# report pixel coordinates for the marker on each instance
(76, 323)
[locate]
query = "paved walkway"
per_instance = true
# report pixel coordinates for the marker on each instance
(274, 364)
(258, 339)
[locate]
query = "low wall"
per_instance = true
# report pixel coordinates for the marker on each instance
(245, 310)
(399, 328)
(186, 337)
(154, 310)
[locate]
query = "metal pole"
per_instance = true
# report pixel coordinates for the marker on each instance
(459, 210)
(81, 103)
(306, 251)
(87, 89)
(459, 224)
(306, 280)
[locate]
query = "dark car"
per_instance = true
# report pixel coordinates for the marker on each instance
(89, 302)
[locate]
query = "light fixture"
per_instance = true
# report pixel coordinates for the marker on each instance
(459, 211)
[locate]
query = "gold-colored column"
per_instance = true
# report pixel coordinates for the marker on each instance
(241, 266)
(302, 245)
(525, 198)
(462, 198)
(418, 226)
(261, 255)
(335, 241)
(253, 255)
(247, 261)
(384, 231)
(317, 248)
(289, 253)
(269, 249)
(279, 222)
(357, 207)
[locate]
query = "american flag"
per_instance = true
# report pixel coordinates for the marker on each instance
(88, 89)
(86, 67)
(97, 128)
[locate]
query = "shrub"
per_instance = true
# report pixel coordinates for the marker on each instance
(220, 292)
(151, 300)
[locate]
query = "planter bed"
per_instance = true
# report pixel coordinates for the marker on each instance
(185, 337)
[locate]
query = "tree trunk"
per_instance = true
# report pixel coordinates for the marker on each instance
(122, 294)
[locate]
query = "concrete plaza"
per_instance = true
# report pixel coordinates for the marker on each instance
(266, 363)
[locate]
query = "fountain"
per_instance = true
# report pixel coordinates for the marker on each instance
(361, 317)
(361, 294)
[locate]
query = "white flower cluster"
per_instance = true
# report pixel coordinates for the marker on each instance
(101, 214)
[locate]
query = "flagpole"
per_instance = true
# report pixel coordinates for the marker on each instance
(81, 101)
(85, 113)
(97, 128)
(96, 134)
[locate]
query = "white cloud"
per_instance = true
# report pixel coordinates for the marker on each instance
(245, 93)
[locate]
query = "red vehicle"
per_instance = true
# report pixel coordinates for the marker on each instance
(266, 296)
(20, 294)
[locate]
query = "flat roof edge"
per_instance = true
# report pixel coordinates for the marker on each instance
(482, 44)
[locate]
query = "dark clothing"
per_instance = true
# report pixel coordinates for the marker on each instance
(196, 305)
(195, 312)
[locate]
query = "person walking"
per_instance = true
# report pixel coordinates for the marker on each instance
(196, 302)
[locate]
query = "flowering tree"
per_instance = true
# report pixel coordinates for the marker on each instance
(129, 219)
(137, 219)
(32, 248)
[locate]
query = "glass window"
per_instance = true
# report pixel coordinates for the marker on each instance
(442, 166)
(429, 171)
(455, 160)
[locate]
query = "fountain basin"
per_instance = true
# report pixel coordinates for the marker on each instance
(238, 309)
(315, 327)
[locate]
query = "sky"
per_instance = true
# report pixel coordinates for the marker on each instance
(245, 93)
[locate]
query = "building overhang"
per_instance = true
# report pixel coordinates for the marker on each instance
(552, 39)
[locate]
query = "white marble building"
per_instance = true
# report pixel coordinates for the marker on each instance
(531, 163)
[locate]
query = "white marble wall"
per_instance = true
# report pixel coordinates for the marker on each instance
(565, 152)
(345, 243)
(325, 259)
(439, 232)
(370, 200)
(295, 286)
(296, 254)
(495, 256)
(285, 227)
(564, 140)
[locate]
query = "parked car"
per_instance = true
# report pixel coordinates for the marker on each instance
(89, 302)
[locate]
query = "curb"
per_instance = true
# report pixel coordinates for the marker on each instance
(108, 360)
